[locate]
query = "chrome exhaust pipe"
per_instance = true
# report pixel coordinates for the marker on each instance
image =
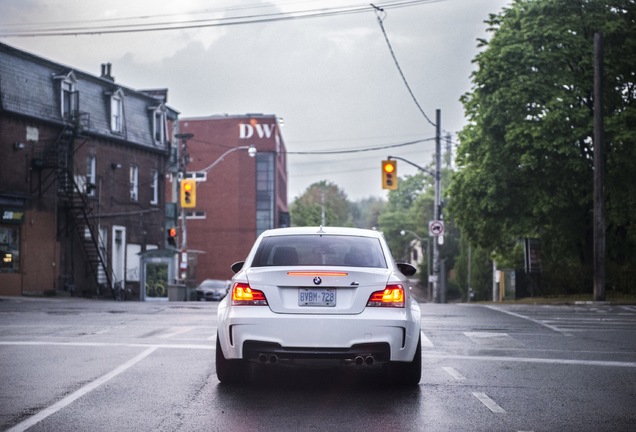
(273, 359)
(262, 358)
(369, 360)
(359, 360)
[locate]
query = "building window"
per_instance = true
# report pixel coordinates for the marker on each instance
(117, 112)
(69, 99)
(9, 249)
(91, 181)
(154, 187)
(196, 214)
(264, 192)
(199, 176)
(134, 183)
(159, 125)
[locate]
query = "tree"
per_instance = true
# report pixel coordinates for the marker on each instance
(525, 158)
(307, 210)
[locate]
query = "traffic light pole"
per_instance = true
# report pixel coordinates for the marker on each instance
(437, 175)
(184, 230)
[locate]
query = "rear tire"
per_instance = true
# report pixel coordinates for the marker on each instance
(229, 371)
(408, 373)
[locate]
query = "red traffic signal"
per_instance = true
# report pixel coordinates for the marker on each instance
(172, 237)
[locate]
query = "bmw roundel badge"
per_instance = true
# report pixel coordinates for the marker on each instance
(317, 281)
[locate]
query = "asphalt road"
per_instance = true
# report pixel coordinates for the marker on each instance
(84, 365)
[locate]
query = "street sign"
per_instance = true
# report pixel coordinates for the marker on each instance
(435, 228)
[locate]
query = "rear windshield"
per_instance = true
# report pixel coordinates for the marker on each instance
(317, 250)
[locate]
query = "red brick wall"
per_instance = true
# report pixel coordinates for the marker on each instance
(228, 197)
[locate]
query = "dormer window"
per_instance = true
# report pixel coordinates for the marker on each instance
(159, 125)
(117, 111)
(69, 97)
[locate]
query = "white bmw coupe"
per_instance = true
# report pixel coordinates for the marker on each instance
(320, 296)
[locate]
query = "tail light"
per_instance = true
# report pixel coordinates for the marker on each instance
(392, 296)
(244, 295)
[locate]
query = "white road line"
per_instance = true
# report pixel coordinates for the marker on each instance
(491, 404)
(61, 404)
(176, 331)
(530, 360)
(426, 342)
(629, 308)
(556, 329)
(452, 372)
(108, 344)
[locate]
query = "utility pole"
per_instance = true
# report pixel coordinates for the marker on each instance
(599, 173)
(438, 204)
(183, 263)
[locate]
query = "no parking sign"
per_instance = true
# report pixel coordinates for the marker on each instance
(435, 228)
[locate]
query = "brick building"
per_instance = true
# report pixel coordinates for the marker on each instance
(239, 194)
(81, 177)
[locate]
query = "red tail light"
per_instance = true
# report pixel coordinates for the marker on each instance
(244, 295)
(392, 296)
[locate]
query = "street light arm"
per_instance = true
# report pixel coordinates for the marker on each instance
(404, 231)
(415, 165)
(251, 149)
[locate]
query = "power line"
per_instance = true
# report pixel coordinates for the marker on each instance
(380, 10)
(201, 23)
(359, 150)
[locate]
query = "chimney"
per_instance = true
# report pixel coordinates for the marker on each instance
(106, 72)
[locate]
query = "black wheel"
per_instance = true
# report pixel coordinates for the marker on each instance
(408, 373)
(229, 371)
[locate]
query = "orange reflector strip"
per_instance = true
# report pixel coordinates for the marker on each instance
(316, 273)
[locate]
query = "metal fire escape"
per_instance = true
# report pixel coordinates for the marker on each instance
(54, 167)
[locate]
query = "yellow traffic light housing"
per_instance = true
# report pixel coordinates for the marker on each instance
(188, 193)
(389, 175)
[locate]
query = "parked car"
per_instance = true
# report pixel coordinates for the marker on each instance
(212, 289)
(320, 297)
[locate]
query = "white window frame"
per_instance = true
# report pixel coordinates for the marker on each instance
(159, 125)
(134, 183)
(68, 103)
(117, 112)
(154, 187)
(91, 177)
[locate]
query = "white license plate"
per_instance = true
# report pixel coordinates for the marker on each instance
(317, 297)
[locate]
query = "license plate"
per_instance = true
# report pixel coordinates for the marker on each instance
(317, 297)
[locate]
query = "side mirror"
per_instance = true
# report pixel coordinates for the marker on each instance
(406, 269)
(237, 266)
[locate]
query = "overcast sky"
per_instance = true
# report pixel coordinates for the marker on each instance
(331, 78)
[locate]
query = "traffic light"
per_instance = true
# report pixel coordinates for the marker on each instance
(188, 193)
(389, 174)
(172, 237)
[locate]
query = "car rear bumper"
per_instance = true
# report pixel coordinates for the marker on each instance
(252, 331)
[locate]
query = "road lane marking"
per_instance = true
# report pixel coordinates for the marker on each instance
(452, 372)
(441, 355)
(64, 402)
(491, 404)
(553, 328)
(176, 331)
(109, 344)
(426, 342)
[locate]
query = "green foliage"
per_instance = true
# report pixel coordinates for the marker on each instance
(526, 155)
(365, 213)
(307, 210)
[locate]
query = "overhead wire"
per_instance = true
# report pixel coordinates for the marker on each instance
(200, 23)
(381, 11)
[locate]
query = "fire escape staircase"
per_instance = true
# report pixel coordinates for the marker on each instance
(55, 168)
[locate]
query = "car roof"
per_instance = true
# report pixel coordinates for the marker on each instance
(322, 231)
